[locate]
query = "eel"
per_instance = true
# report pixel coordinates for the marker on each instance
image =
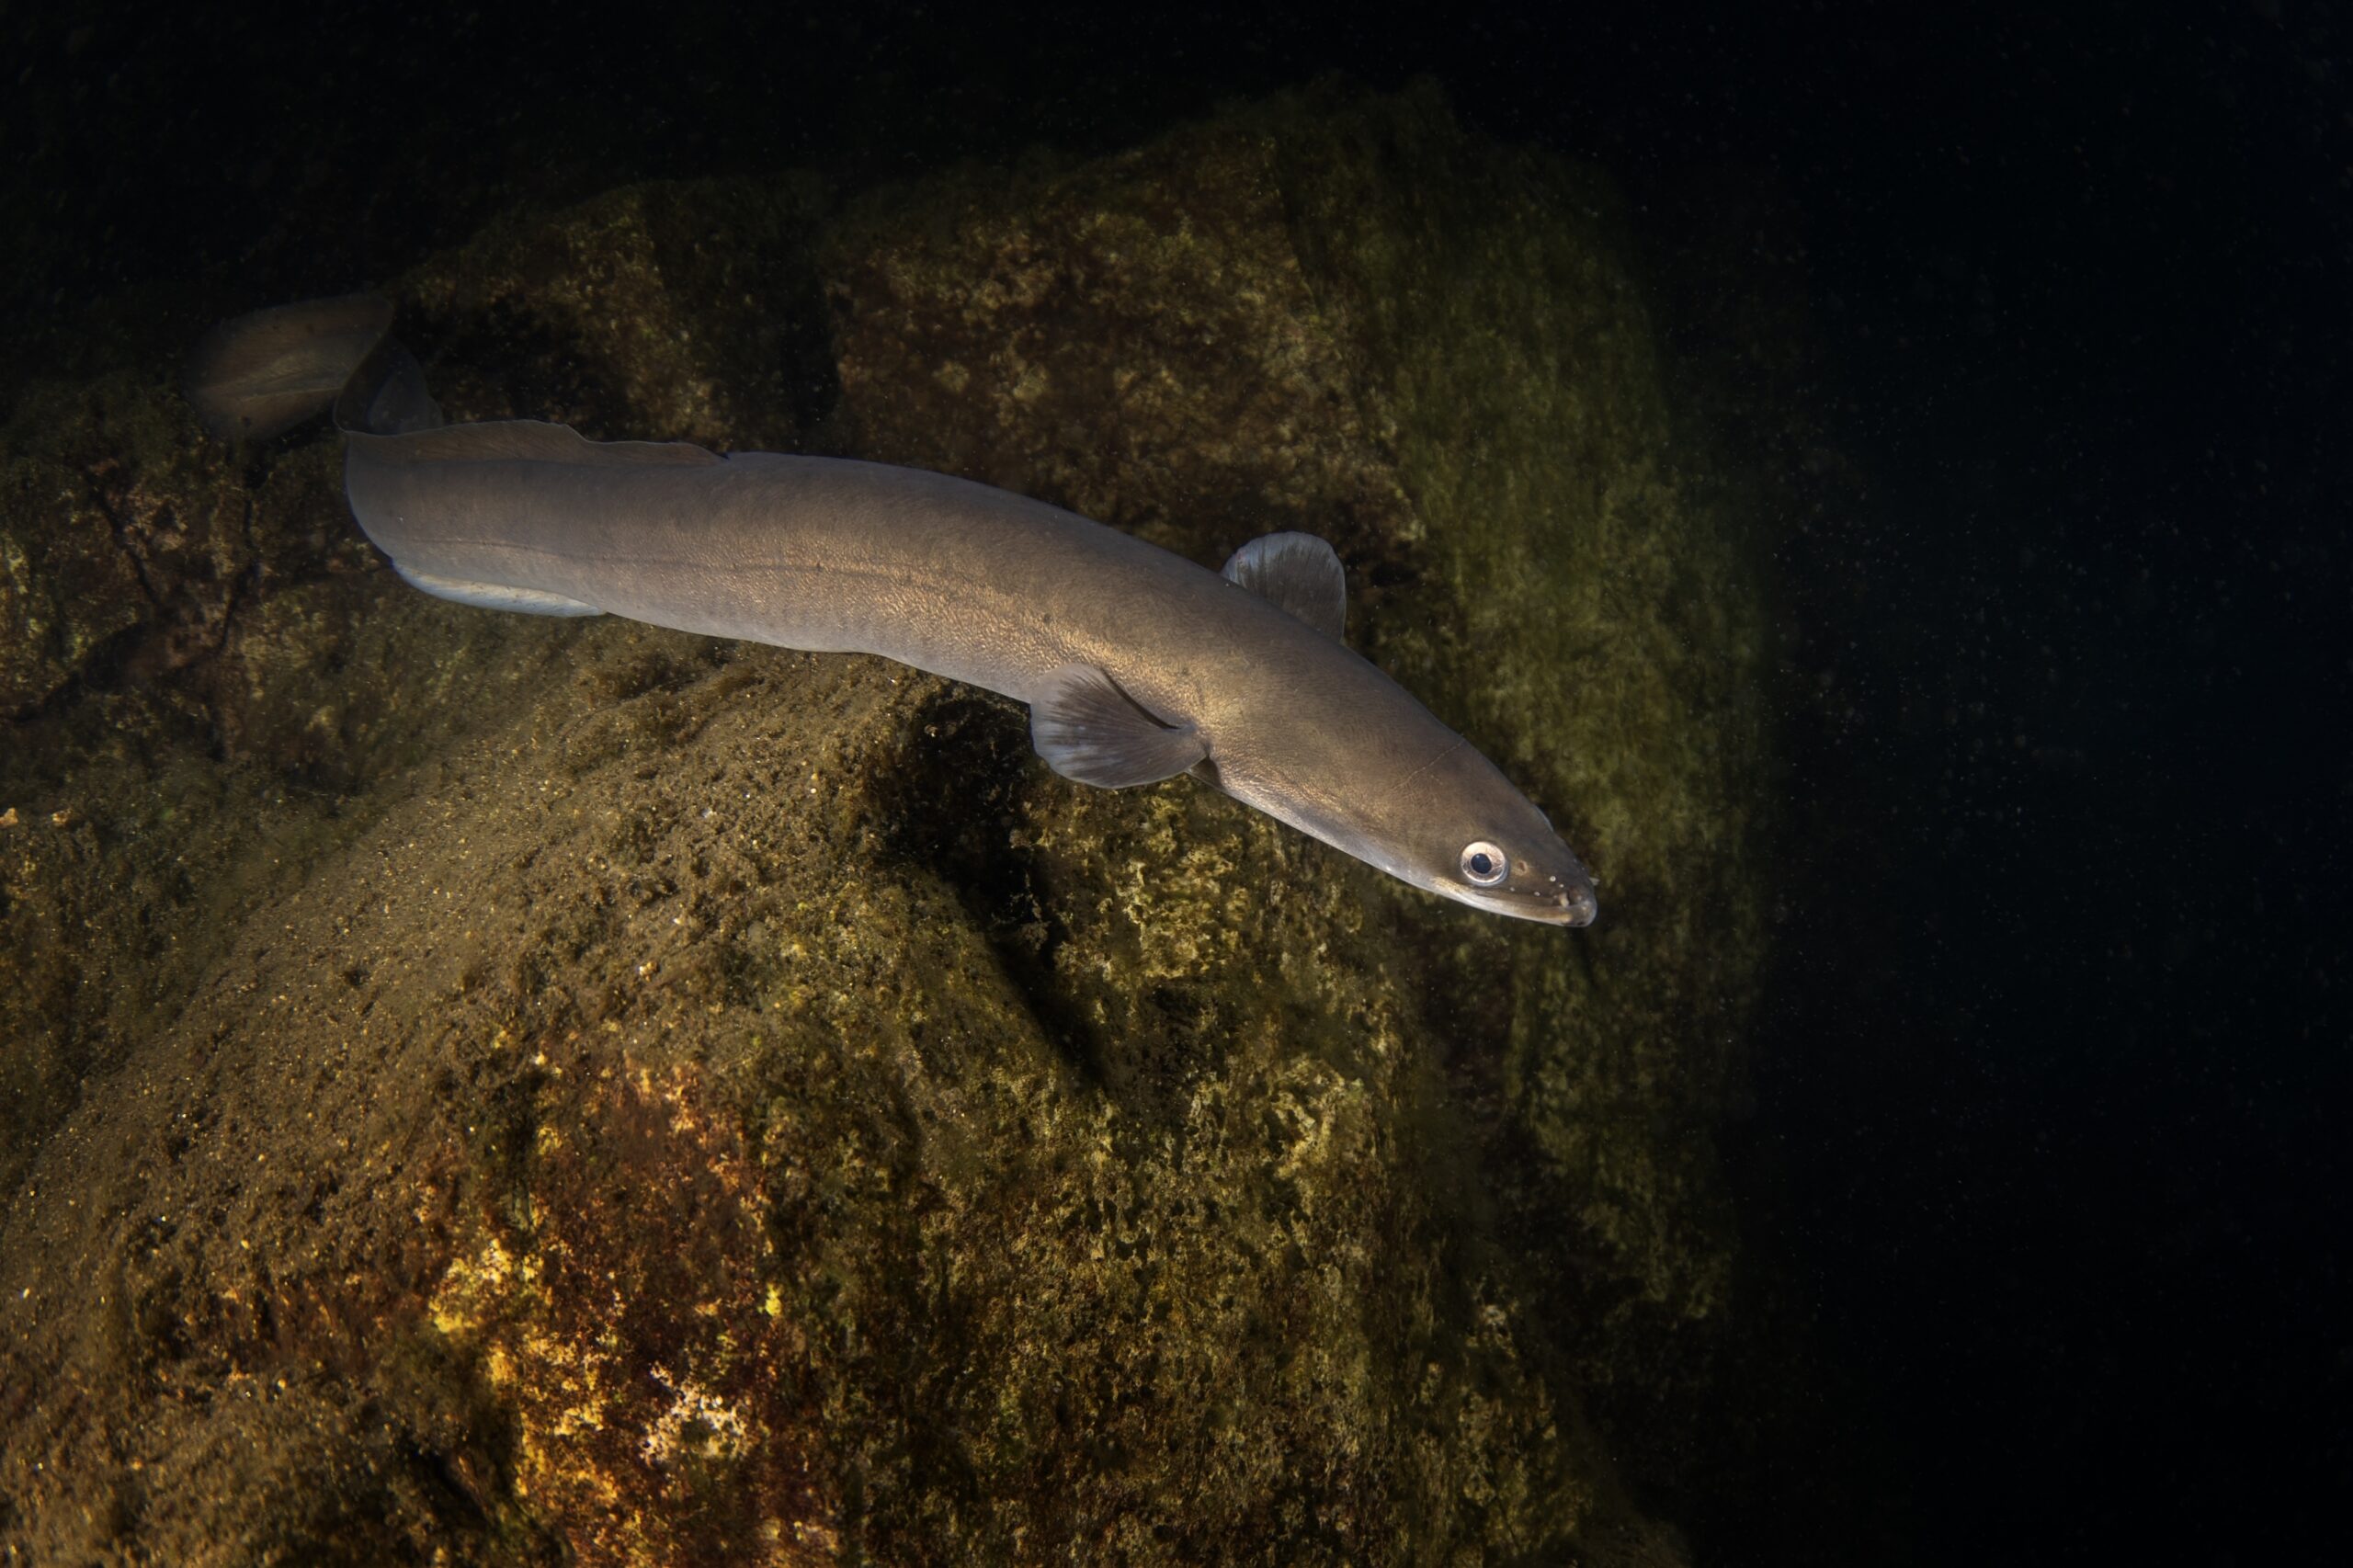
(1135, 664)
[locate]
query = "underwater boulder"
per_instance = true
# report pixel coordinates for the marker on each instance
(699, 1102)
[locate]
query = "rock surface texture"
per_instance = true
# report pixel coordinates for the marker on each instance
(496, 1090)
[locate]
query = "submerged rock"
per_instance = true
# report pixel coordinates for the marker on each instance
(690, 1102)
(113, 517)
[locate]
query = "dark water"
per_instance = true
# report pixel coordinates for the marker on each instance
(2052, 1105)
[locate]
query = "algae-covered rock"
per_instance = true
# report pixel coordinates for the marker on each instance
(278, 678)
(112, 516)
(682, 311)
(1356, 320)
(715, 1103)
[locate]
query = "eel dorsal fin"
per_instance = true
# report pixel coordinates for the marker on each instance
(528, 440)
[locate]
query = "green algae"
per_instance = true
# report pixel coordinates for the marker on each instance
(1452, 376)
(674, 1102)
(1507, 358)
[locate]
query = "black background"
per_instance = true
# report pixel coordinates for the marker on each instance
(2053, 1077)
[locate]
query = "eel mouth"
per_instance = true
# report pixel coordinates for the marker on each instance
(1567, 905)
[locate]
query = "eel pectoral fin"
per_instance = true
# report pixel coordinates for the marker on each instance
(1297, 572)
(1088, 729)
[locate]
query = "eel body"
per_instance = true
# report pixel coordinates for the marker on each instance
(1136, 664)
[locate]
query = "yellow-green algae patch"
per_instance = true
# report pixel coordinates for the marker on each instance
(1450, 372)
(1507, 361)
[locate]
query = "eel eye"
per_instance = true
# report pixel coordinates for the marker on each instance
(1484, 864)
